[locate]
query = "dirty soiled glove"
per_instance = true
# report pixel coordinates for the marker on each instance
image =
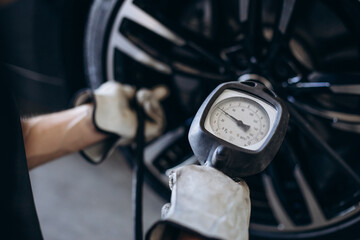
(205, 204)
(114, 115)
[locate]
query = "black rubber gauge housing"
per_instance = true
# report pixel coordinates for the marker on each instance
(237, 161)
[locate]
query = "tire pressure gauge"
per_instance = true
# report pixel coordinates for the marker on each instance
(239, 128)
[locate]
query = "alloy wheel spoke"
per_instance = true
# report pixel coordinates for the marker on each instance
(285, 15)
(244, 10)
(130, 11)
(344, 121)
(325, 82)
(334, 116)
(279, 211)
(311, 133)
(315, 211)
(330, 83)
(191, 71)
(250, 17)
(197, 49)
(280, 30)
(120, 42)
(135, 14)
(323, 87)
(294, 64)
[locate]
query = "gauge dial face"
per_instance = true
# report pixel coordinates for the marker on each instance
(240, 121)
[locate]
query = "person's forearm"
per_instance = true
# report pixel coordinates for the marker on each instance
(50, 136)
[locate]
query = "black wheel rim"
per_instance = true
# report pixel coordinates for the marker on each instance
(312, 187)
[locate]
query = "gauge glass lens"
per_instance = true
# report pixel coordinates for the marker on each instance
(241, 120)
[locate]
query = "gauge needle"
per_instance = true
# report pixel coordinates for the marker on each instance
(238, 122)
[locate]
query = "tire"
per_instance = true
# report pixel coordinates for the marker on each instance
(311, 190)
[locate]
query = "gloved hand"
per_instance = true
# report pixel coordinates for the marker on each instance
(205, 204)
(114, 115)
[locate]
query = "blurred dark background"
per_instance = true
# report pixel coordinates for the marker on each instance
(42, 51)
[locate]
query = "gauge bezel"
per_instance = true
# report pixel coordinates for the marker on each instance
(239, 161)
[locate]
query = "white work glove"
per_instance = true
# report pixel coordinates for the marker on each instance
(113, 114)
(205, 203)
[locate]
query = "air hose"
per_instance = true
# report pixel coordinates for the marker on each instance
(138, 175)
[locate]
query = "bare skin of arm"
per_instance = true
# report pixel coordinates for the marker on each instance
(50, 136)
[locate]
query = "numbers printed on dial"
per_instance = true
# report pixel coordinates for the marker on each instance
(240, 121)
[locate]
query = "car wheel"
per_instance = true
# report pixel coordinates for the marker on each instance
(307, 51)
